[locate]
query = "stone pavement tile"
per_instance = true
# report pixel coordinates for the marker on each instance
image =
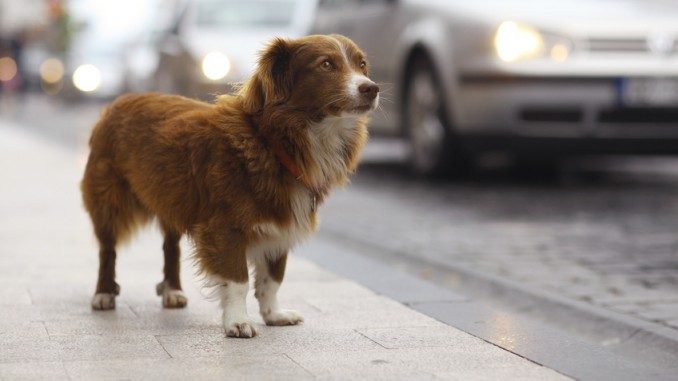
(377, 374)
(523, 374)
(373, 302)
(22, 329)
(64, 311)
(74, 292)
(33, 371)
(108, 347)
(419, 337)
(304, 271)
(336, 289)
(254, 367)
(468, 359)
(269, 340)
(673, 323)
(27, 349)
(373, 312)
(163, 322)
(370, 319)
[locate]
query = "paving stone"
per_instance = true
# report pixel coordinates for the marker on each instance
(164, 325)
(418, 337)
(33, 371)
(255, 367)
(64, 311)
(465, 359)
(109, 347)
(22, 329)
(387, 374)
(270, 340)
(29, 349)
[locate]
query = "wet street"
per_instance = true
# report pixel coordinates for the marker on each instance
(602, 233)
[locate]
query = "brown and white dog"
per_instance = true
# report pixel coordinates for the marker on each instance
(242, 176)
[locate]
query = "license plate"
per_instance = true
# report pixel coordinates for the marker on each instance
(648, 91)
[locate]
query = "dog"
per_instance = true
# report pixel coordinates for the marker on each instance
(242, 176)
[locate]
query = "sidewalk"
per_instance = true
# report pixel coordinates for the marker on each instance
(48, 267)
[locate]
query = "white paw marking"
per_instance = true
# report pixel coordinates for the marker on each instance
(174, 299)
(239, 328)
(171, 298)
(283, 317)
(232, 295)
(103, 301)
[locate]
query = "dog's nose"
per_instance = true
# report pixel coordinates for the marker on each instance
(369, 90)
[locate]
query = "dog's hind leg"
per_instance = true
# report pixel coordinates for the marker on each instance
(114, 212)
(170, 287)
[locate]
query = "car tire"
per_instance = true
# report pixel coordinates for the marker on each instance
(433, 151)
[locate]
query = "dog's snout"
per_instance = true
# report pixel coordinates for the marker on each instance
(369, 90)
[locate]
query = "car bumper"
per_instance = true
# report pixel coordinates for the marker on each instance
(545, 146)
(552, 107)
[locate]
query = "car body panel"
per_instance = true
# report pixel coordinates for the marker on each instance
(612, 42)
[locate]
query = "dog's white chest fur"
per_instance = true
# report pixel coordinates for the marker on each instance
(275, 239)
(327, 142)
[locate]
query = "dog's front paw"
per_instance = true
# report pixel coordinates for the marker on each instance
(283, 317)
(242, 329)
(103, 301)
(171, 298)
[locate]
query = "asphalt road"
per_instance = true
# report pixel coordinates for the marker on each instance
(601, 233)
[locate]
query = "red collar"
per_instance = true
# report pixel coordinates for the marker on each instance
(284, 158)
(288, 162)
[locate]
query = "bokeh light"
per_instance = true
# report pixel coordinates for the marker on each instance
(560, 52)
(87, 78)
(52, 70)
(8, 69)
(216, 65)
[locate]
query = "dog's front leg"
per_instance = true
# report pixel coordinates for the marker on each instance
(270, 271)
(222, 257)
(233, 300)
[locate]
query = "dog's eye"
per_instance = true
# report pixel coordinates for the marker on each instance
(363, 64)
(327, 65)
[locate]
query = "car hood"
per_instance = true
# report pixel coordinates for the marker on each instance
(242, 47)
(575, 17)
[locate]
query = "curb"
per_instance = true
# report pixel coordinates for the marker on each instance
(634, 347)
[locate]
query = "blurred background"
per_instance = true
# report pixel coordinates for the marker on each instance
(527, 141)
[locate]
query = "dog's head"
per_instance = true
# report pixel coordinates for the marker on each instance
(320, 75)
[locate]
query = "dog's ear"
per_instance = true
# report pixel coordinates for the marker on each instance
(272, 81)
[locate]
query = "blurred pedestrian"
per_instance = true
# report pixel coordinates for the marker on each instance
(19, 20)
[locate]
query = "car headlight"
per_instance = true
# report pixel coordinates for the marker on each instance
(514, 41)
(87, 78)
(216, 65)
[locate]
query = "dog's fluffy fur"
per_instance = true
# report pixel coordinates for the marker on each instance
(211, 170)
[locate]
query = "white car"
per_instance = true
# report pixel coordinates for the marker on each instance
(214, 43)
(524, 76)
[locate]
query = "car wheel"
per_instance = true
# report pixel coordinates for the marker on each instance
(432, 149)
